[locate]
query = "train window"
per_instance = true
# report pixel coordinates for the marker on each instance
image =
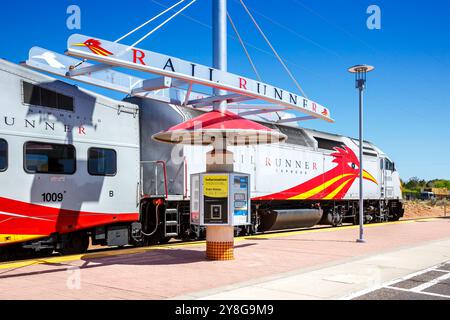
(3, 155)
(102, 162)
(392, 166)
(49, 158)
(328, 144)
(389, 165)
(38, 96)
(49, 98)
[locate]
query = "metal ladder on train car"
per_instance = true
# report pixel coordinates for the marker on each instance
(171, 223)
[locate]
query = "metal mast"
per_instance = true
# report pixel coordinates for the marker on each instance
(219, 16)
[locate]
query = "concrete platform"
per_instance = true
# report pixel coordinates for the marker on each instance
(312, 264)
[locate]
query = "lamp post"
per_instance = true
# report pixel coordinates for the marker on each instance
(360, 72)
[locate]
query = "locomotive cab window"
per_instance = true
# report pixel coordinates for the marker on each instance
(102, 162)
(389, 165)
(49, 158)
(3, 155)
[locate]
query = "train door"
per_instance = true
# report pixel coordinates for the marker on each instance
(387, 185)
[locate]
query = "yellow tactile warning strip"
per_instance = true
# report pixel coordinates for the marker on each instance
(220, 251)
(94, 255)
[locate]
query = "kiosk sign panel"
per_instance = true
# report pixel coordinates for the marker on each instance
(215, 199)
(220, 199)
(240, 200)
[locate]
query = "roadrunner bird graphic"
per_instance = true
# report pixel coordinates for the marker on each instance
(333, 184)
(95, 46)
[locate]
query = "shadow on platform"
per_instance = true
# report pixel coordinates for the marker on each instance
(146, 258)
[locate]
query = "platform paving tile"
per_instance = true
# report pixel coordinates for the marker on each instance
(392, 294)
(308, 285)
(251, 293)
(440, 288)
(445, 267)
(419, 280)
(169, 273)
(407, 284)
(418, 261)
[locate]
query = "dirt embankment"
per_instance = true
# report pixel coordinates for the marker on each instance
(417, 209)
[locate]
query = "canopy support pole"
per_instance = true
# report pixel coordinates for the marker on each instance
(219, 15)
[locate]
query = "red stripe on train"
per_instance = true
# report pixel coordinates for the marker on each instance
(17, 217)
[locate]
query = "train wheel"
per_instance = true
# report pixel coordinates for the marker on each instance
(4, 255)
(152, 240)
(44, 253)
(365, 221)
(356, 219)
(76, 243)
(337, 221)
(394, 218)
(165, 240)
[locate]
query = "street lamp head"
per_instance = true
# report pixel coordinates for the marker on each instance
(361, 68)
(360, 72)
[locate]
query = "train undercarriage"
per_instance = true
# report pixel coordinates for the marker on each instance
(162, 221)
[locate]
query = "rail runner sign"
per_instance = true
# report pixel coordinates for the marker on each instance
(119, 55)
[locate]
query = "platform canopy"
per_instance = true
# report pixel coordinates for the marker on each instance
(166, 72)
(215, 125)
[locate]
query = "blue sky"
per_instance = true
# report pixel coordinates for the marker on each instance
(408, 98)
